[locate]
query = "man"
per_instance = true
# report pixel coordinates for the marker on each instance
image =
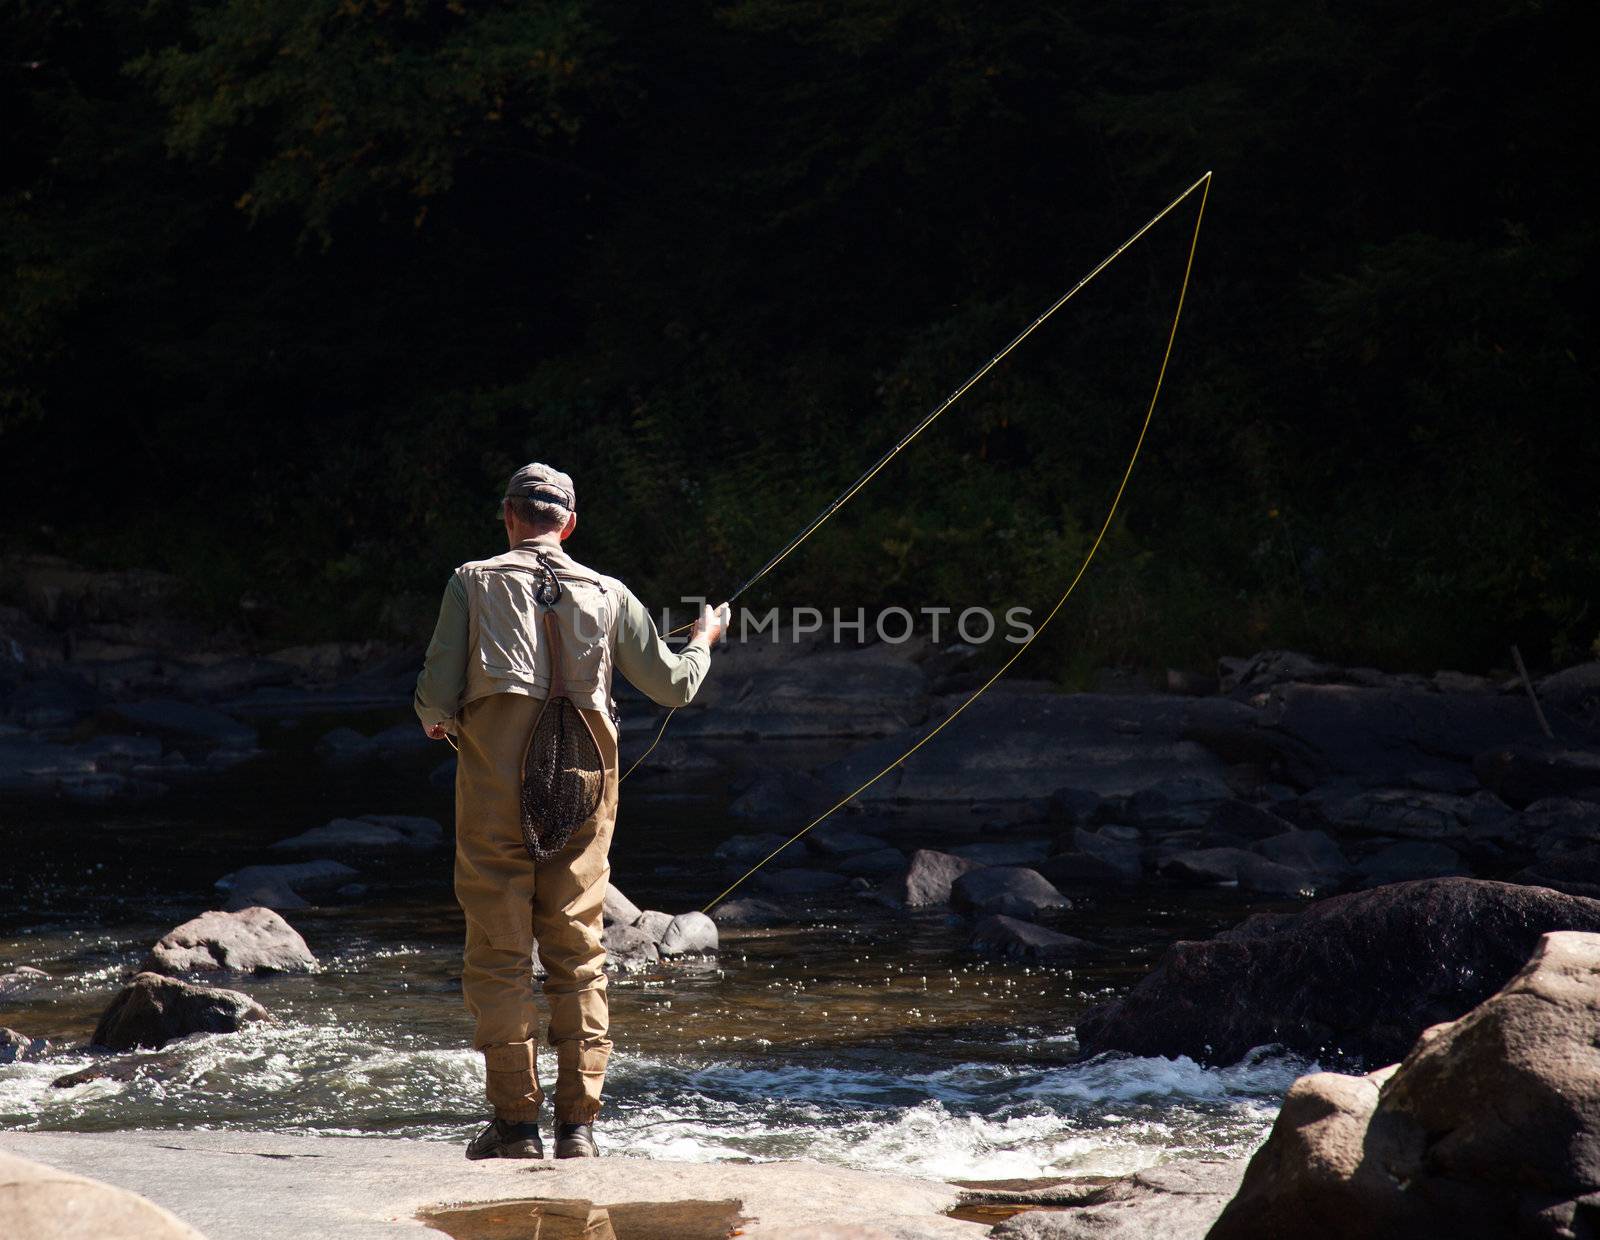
(487, 675)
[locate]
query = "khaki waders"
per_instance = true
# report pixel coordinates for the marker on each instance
(512, 903)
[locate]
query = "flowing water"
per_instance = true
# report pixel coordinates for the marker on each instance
(863, 1037)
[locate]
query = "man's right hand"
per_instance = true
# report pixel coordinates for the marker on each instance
(713, 623)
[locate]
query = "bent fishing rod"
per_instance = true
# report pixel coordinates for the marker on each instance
(1203, 186)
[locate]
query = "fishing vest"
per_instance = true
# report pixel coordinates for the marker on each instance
(506, 650)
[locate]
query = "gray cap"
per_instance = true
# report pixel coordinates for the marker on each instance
(541, 482)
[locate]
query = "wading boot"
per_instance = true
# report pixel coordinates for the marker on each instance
(503, 1139)
(575, 1141)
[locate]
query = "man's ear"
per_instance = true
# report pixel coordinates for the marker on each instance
(572, 524)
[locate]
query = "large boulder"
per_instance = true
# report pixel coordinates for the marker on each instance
(1360, 974)
(1522, 774)
(1489, 1128)
(39, 1202)
(1383, 735)
(152, 1010)
(1175, 1201)
(1012, 890)
(251, 940)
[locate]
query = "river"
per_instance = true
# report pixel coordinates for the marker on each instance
(862, 1037)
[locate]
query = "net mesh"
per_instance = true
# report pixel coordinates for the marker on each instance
(563, 777)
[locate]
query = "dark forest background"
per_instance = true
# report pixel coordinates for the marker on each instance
(292, 285)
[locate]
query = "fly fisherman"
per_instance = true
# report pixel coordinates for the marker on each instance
(490, 681)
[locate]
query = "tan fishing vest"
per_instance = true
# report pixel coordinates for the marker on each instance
(506, 653)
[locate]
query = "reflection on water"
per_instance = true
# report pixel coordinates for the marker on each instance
(863, 1037)
(550, 1219)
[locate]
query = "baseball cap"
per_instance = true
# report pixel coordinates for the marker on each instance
(541, 482)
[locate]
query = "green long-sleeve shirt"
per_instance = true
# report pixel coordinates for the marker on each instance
(643, 658)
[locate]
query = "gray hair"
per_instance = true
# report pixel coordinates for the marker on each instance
(541, 515)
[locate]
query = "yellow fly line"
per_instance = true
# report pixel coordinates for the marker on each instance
(1204, 186)
(849, 493)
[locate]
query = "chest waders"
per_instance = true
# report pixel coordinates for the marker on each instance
(563, 774)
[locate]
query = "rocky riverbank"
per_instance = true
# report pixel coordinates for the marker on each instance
(1487, 1128)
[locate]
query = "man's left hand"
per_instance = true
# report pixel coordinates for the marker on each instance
(435, 731)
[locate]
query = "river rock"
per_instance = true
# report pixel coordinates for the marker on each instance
(1412, 859)
(628, 948)
(926, 881)
(1258, 874)
(41, 1203)
(618, 908)
(280, 886)
(1073, 806)
(752, 912)
(21, 980)
(1413, 813)
(653, 922)
(1013, 890)
(1178, 802)
(185, 719)
(251, 940)
(1382, 735)
(1360, 974)
(1574, 692)
(1266, 669)
(371, 831)
(1312, 852)
(1108, 844)
(1575, 871)
(1242, 820)
(999, 935)
(1174, 1201)
(689, 934)
(1203, 865)
(15, 1047)
(152, 1010)
(1490, 1127)
(1522, 774)
(1557, 824)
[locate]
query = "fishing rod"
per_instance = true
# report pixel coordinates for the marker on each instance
(849, 493)
(1204, 186)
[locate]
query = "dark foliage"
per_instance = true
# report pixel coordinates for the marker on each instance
(293, 284)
